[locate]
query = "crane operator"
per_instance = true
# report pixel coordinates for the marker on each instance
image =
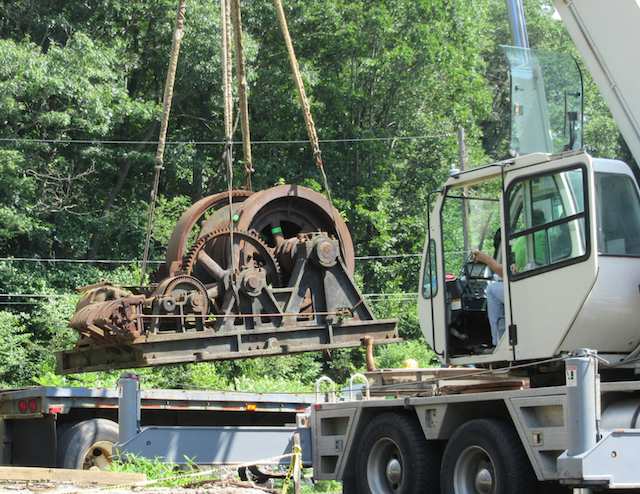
(522, 262)
(495, 295)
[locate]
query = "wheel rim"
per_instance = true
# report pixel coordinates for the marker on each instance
(98, 456)
(474, 472)
(385, 471)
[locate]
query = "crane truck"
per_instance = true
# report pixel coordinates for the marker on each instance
(565, 229)
(540, 395)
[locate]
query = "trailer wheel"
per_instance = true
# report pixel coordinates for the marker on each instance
(486, 457)
(88, 445)
(394, 458)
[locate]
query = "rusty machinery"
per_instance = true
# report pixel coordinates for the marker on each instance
(254, 274)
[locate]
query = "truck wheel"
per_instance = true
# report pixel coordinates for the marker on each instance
(486, 457)
(394, 458)
(88, 445)
(349, 485)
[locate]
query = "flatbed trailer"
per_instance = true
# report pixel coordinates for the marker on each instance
(77, 427)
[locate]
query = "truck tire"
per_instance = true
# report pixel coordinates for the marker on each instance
(485, 456)
(394, 458)
(88, 445)
(349, 485)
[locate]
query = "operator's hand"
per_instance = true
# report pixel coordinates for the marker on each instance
(481, 257)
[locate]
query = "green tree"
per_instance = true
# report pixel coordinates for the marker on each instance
(94, 71)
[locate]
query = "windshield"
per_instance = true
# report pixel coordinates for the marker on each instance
(546, 101)
(471, 220)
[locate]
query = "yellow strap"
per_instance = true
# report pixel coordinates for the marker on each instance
(296, 460)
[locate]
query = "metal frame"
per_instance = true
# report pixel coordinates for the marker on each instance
(321, 308)
(203, 445)
(210, 345)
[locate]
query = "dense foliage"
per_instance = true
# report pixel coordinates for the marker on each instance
(412, 71)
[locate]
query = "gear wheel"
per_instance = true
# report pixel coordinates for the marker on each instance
(183, 297)
(193, 222)
(185, 283)
(259, 253)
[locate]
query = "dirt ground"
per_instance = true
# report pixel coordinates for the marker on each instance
(62, 488)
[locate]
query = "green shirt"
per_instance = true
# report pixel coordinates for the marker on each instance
(522, 261)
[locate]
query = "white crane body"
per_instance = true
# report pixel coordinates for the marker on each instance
(565, 229)
(584, 294)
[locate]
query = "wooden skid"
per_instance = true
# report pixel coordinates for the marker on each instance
(36, 474)
(207, 345)
(439, 381)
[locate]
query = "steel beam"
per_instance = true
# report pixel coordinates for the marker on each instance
(209, 345)
(128, 407)
(217, 445)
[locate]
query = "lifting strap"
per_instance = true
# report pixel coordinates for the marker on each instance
(178, 34)
(304, 102)
(297, 78)
(226, 71)
(227, 157)
(229, 13)
(243, 101)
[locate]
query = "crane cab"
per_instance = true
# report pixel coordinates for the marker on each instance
(565, 229)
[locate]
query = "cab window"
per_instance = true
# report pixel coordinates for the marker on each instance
(618, 215)
(430, 276)
(546, 222)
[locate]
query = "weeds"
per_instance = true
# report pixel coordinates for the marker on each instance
(172, 475)
(167, 474)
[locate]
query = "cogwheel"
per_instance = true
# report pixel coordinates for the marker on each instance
(270, 262)
(185, 283)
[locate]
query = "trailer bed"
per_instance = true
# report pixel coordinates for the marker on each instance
(42, 400)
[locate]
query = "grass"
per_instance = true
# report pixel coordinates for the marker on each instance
(171, 475)
(326, 486)
(167, 474)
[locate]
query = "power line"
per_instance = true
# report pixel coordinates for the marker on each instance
(61, 295)
(386, 256)
(25, 140)
(74, 261)
(392, 297)
(390, 294)
(157, 262)
(33, 295)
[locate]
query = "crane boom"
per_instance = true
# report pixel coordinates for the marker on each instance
(607, 36)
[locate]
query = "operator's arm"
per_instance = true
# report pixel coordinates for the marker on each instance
(489, 261)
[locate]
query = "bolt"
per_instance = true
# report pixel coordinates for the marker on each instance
(253, 282)
(327, 252)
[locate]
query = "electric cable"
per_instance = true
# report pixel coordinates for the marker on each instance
(93, 142)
